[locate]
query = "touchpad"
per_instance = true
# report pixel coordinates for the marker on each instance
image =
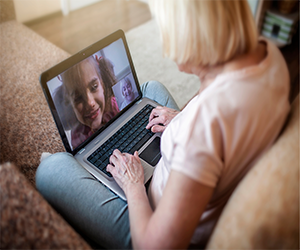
(152, 153)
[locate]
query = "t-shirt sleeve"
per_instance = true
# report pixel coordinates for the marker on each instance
(198, 147)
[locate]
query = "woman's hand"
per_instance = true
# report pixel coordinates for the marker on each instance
(160, 117)
(126, 169)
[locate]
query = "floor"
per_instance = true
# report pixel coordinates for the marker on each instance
(87, 25)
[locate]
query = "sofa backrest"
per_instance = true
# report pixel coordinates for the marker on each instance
(7, 11)
(263, 212)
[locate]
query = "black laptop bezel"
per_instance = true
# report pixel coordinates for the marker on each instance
(69, 62)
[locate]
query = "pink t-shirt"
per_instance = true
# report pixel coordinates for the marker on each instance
(222, 132)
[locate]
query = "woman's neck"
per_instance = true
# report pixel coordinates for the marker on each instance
(247, 60)
(208, 74)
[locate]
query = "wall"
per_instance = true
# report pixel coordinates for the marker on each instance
(77, 4)
(27, 10)
(7, 11)
(253, 5)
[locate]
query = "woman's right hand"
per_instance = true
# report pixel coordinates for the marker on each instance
(160, 117)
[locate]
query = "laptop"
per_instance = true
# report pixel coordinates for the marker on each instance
(97, 105)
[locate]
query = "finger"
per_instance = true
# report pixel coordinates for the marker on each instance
(117, 153)
(152, 115)
(112, 159)
(155, 121)
(136, 160)
(155, 112)
(136, 156)
(110, 168)
(115, 171)
(158, 129)
(116, 158)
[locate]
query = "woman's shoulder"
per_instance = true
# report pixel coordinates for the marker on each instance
(264, 66)
(229, 104)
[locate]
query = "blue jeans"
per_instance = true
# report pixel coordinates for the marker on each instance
(91, 208)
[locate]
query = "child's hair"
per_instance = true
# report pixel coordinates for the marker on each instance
(205, 32)
(107, 73)
(64, 108)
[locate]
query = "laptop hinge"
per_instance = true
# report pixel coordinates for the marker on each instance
(81, 151)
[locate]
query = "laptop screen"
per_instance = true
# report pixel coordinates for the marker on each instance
(90, 94)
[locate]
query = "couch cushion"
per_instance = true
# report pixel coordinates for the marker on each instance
(263, 212)
(27, 128)
(27, 220)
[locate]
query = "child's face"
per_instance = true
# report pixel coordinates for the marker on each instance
(88, 98)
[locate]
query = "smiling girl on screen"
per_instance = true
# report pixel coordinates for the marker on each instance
(90, 96)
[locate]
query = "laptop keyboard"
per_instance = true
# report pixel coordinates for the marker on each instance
(129, 138)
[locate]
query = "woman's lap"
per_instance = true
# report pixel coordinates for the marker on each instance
(84, 202)
(157, 92)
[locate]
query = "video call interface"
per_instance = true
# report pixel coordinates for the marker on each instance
(89, 94)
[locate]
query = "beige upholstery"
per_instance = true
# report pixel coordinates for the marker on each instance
(27, 129)
(263, 212)
(7, 11)
(27, 220)
(27, 126)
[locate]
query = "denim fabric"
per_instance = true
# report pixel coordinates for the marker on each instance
(157, 92)
(91, 208)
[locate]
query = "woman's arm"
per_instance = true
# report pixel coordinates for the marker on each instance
(173, 222)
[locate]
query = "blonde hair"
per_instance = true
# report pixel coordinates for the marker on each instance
(205, 32)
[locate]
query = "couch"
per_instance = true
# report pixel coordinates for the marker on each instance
(262, 213)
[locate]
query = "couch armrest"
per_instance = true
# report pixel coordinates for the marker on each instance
(263, 211)
(27, 128)
(27, 220)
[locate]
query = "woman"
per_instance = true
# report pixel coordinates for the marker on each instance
(127, 92)
(210, 145)
(90, 96)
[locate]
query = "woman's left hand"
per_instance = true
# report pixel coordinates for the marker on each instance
(126, 169)
(160, 118)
